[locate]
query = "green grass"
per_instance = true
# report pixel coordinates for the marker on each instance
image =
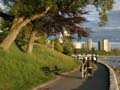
(21, 71)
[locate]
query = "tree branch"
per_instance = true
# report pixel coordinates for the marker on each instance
(6, 16)
(36, 16)
(40, 14)
(36, 38)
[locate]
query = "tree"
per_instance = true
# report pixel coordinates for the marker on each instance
(43, 39)
(84, 51)
(102, 7)
(93, 51)
(33, 37)
(58, 46)
(67, 46)
(4, 27)
(77, 51)
(22, 12)
(29, 36)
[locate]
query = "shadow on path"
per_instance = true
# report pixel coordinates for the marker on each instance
(73, 81)
(100, 80)
(70, 76)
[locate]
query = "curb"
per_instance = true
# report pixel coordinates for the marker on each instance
(113, 79)
(57, 78)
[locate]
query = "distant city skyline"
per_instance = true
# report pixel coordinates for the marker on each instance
(104, 44)
(110, 31)
(112, 44)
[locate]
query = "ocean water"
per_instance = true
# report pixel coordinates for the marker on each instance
(111, 60)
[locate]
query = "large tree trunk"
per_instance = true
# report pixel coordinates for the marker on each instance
(18, 24)
(15, 29)
(31, 42)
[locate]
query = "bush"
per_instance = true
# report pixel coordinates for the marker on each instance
(58, 47)
(42, 40)
(67, 47)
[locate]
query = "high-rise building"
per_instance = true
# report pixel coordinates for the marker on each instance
(104, 45)
(100, 45)
(84, 45)
(89, 43)
(77, 45)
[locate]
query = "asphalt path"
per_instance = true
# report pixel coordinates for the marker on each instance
(73, 81)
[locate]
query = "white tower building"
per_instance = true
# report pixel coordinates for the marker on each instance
(89, 43)
(104, 45)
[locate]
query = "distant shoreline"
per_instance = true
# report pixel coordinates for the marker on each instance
(112, 44)
(108, 56)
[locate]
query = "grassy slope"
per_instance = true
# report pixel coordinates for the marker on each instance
(20, 71)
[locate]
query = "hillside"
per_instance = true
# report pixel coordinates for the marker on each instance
(20, 71)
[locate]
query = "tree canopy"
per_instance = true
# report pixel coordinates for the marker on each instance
(31, 7)
(22, 12)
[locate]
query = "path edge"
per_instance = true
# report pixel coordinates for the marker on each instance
(53, 80)
(112, 78)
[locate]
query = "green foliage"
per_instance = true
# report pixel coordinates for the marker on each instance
(103, 6)
(4, 26)
(20, 71)
(93, 51)
(82, 51)
(113, 52)
(22, 7)
(58, 46)
(101, 52)
(103, 16)
(27, 8)
(67, 47)
(42, 39)
(77, 51)
(109, 4)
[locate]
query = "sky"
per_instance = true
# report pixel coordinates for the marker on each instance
(112, 28)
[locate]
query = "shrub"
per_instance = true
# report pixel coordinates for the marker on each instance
(67, 47)
(58, 46)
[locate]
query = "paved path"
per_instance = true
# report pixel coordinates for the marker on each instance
(99, 81)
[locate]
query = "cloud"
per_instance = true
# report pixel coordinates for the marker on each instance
(110, 28)
(98, 29)
(116, 6)
(1, 6)
(93, 15)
